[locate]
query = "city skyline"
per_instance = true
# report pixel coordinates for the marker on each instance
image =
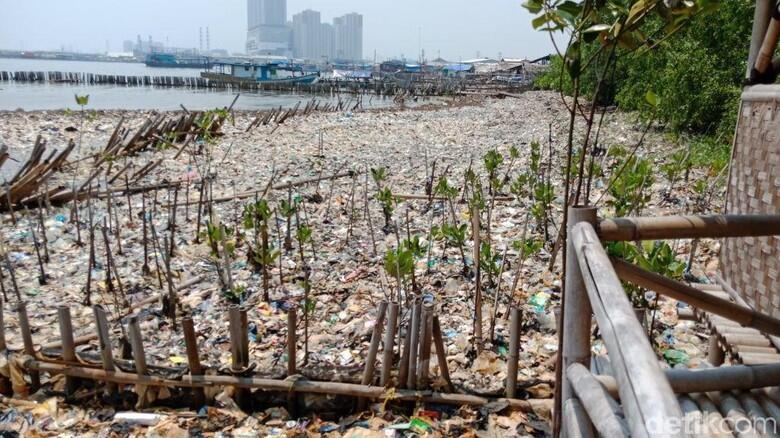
(456, 29)
(304, 35)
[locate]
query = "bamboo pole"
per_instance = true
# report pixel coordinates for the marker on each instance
(761, 17)
(426, 327)
(688, 227)
(376, 335)
(647, 397)
(512, 354)
(29, 347)
(576, 422)
(3, 345)
(697, 298)
(603, 410)
(414, 336)
(576, 308)
(139, 357)
(441, 354)
(387, 354)
(193, 358)
(68, 346)
(291, 340)
(539, 406)
(104, 340)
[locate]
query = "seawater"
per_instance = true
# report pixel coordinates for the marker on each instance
(34, 96)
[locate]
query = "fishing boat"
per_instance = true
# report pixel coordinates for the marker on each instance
(268, 73)
(173, 61)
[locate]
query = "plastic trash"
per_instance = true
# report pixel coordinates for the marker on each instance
(539, 301)
(676, 357)
(142, 418)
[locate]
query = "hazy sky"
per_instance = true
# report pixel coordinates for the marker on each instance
(457, 29)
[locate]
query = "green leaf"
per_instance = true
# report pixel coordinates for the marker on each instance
(82, 100)
(651, 98)
(533, 6)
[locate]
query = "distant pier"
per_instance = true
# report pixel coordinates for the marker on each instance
(425, 86)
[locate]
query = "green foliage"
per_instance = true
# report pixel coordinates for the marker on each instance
(215, 234)
(628, 190)
(379, 175)
(492, 160)
(489, 260)
(695, 73)
(256, 213)
(82, 100)
(654, 256)
(399, 262)
(387, 201)
(455, 235)
(529, 247)
(443, 188)
(288, 209)
(303, 234)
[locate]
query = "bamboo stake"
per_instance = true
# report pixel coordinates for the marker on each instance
(426, 327)
(68, 346)
(414, 337)
(403, 371)
(193, 359)
(291, 341)
(29, 347)
(139, 357)
(376, 335)
(441, 354)
(101, 324)
(512, 354)
(387, 354)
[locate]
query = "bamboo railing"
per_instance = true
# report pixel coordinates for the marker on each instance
(648, 404)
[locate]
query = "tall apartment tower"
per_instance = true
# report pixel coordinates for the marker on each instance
(306, 30)
(267, 30)
(349, 37)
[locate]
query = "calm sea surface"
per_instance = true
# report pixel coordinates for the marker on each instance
(30, 96)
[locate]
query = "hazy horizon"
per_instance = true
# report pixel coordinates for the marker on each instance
(455, 29)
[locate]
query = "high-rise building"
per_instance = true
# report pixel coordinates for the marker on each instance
(349, 37)
(267, 33)
(306, 30)
(327, 41)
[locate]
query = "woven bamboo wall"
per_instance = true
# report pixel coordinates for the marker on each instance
(752, 265)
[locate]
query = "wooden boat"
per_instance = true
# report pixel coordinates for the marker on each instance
(269, 73)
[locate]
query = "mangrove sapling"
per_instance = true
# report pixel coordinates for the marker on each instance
(287, 209)
(351, 209)
(492, 161)
(387, 201)
(514, 154)
(172, 222)
(367, 214)
(306, 223)
(672, 168)
(45, 239)
(379, 175)
(42, 273)
(475, 237)
(200, 209)
(304, 234)
(145, 268)
(279, 242)
(496, 295)
(256, 216)
(90, 266)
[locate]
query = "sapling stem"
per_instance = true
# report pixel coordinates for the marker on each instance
(145, 268)
(45, 239)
